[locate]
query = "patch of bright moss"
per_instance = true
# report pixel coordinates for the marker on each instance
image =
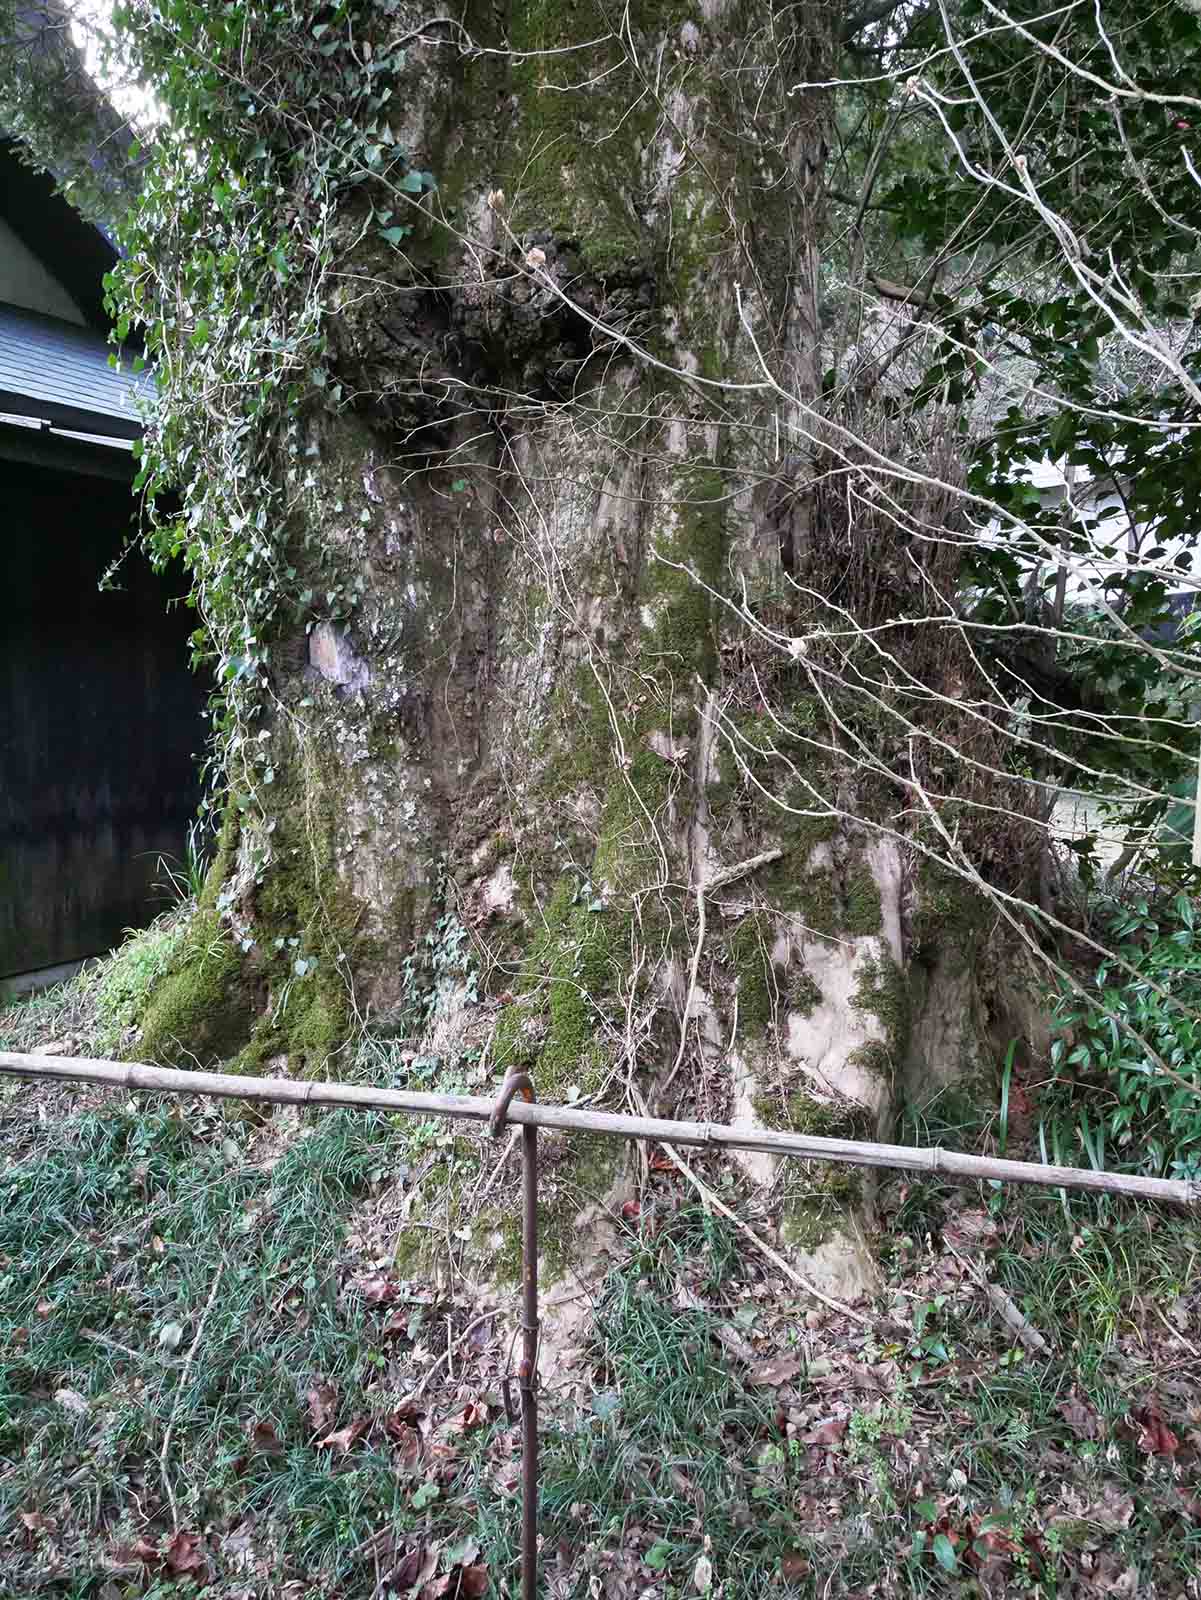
(125, 983)
(948, 918)
(814, 897)
(318, 1026)
(861, 902)
(303, 912)
(750, 951)
(882, 991)
(820, 1119)
(685, 626)
(584, 1177)
(224, 857)
(805, 1224)
(204, 1009)
(875, 1058)
(571, 971)
(804, 995)
(815, 1204)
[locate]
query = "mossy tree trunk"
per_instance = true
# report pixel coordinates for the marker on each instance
(577, 579)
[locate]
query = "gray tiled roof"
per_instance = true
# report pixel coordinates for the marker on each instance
(58, 372)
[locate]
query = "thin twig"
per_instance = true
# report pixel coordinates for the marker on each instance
(715, 880)
(510, 1146)
(1005, 1307)
(778, 1261)
(444, 1358)
(127, 1350)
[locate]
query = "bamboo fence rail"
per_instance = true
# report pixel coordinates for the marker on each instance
(570, 1119)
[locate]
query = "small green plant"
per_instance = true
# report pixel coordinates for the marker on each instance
(183, 881)
(439, 972)
(122, 985)
(929, 1343)
(1006, 1083)
(1128, 1051)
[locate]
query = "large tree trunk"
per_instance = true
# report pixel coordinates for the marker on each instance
(596, 775)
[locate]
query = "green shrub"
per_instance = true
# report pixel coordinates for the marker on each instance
(1128, 1051)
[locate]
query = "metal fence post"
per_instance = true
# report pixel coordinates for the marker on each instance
(527, 1372)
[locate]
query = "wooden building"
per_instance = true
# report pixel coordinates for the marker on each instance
(100, 715)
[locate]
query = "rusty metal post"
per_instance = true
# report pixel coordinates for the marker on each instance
(527, 1372)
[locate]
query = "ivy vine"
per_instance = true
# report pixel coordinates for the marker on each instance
(243, 208)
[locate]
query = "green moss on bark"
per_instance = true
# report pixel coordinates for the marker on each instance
(685, 628)
(804, 996)
(884, 994)
(861, 912)
(551, 1031)
(204, 1009)
(949, 918)
(750, 947)
(798, 1111)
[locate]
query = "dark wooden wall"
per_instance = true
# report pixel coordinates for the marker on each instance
(100, 721)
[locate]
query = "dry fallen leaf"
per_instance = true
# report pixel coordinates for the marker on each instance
(406, 1574)
(44, 1308)
(828, 1432)
(126, 1557)
(1080, 1417)
(970, 1229)
(1155, 1437)
(265, 1439)
(377, 1287)
(185, 1553)
(408, 1411)
(408, 1446)
(793, 1566)
(71, 1400)
(772, 1373)
(1113, 1510)
(473, 1415)
(35, 1522)
(473, 1581)
(344, 1437)
(322, 1398)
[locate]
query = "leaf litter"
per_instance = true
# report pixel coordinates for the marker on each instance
(861, 1464)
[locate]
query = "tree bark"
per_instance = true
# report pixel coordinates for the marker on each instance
(599, 774)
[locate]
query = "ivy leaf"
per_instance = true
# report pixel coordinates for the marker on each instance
(658, 1555)
(944, 1552)
(394, 235)
(1062, 432)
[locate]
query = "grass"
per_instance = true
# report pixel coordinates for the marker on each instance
(96, 1009)
(659, 1462)
(176, 1284)
(114, 1231)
